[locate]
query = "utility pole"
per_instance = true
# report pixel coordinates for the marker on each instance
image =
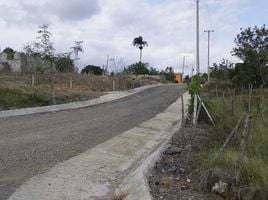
(208, 31)
(107, 64)
(183, 64)
(197, 57)
(197, 38)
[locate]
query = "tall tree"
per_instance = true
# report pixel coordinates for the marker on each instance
(252, 49)
(140, 43)
(47, 52)
(43, 48)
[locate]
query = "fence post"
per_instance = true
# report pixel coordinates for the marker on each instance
(182, 112)
(243, 144)
(195, 108)
(113, 85)
(198, 112)
(33, 79)
(71, 83)
(232, 134)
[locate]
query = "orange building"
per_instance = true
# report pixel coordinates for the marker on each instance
(178, 77)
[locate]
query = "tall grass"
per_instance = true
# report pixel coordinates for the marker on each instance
(254, 172)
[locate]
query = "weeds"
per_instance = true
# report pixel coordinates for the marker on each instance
(254, 172)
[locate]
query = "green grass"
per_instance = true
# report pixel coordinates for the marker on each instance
(15, 98)
(254, 172)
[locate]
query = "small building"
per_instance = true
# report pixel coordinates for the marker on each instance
(178, 77)
(15, 63)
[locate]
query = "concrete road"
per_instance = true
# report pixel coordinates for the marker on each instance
(32, 144)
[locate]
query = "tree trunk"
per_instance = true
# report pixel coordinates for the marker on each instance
(140, 56)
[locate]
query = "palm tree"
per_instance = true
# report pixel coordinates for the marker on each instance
(140, 43)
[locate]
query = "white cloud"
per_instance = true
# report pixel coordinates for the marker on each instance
(108, 27)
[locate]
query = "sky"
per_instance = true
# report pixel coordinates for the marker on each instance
(108, 27)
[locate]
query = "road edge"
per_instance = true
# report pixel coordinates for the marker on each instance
(75, 105)
(136, 183)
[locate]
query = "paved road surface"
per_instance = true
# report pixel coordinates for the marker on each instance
(32, 144)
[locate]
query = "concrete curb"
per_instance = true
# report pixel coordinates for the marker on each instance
(135, 185)
(74, 105)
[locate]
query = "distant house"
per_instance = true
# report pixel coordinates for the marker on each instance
(178, 77)
(14, 64)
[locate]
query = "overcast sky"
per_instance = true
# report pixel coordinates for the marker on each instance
(109, 26)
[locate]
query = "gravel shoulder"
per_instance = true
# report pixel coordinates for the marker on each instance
(177, 175)
(32, 144)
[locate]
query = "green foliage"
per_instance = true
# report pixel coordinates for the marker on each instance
(92, 69)
(64, 63)
(139, 42)
(252, 49)
(44, 46)
(222, 71)
(10, 53)
(195, 84)
(137, 69)
(78, 47)
(153, 71)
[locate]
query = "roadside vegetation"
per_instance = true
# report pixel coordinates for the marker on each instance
(227, 107)
(16, 91)
(238, 91)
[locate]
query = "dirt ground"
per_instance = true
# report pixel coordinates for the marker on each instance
(177, 174)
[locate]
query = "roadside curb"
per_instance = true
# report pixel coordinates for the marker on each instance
(74, 105)
(135, 185)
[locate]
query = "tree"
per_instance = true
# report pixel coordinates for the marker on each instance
(46, 50)
(92, 69)
(252, 49)
(43, 49)
(64, 63)
(153, 71)
(137, 69)
(78, 47)
(10, 53)
(222, 70)
(140, 43)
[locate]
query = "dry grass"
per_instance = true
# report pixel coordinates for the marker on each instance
(16, 91)
(121, 195)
